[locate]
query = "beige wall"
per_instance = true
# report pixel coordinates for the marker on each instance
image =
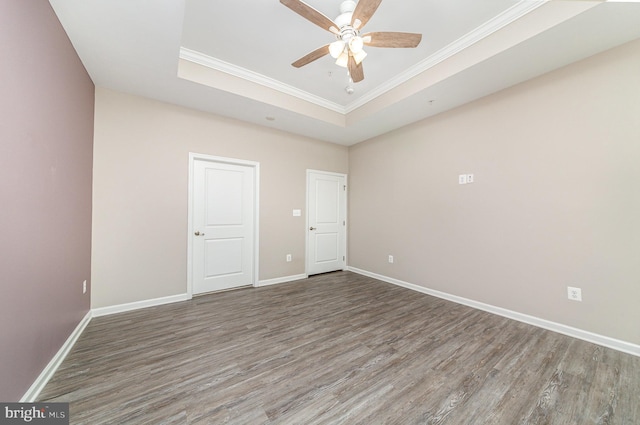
(555, 203)
(140, 183)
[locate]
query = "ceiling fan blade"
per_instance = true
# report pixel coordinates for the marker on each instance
(355, 70)
(311, 14)
(363, 12)
(392, 39)
(316, 54)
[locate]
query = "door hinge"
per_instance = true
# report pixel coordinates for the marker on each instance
(344, 223)
(343, 258)
(344, 187)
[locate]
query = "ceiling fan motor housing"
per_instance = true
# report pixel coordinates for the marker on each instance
(346, 12)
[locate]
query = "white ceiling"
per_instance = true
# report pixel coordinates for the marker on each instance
(233, 58)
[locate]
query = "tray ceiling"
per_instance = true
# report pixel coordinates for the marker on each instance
(233, 58)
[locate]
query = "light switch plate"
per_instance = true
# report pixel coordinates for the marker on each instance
(462, 179)
(297, 213)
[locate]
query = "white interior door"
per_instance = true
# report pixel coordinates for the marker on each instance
(223, 225)
(326, 218)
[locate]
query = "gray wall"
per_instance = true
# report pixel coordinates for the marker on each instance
(46, 132)
(555, 203)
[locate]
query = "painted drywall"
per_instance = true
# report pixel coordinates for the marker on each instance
(46, 132)
(140, 191)
(555, 201)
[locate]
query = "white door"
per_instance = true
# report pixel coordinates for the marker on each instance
(223, 225)
(326, 218)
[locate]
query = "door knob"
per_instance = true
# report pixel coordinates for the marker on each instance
(199, 234)
(312, 228)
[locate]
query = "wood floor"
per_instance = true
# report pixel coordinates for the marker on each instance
(338, 348)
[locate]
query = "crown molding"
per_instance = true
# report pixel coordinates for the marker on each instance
(256, 78)
(495, 24)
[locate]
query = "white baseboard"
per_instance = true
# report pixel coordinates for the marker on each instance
(121, 308)
(46, 374)
(616, 344)
(281, 280)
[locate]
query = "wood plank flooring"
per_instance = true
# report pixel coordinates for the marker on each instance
(338, 348)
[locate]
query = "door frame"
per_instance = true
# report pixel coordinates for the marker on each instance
(344, 198)
(256, 212)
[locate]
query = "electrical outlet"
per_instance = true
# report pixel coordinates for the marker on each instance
(84, 287)
(288, 258)
(574, 294)
(469, 178)
(391, 258)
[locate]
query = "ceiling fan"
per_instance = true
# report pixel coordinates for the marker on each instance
(348, 47)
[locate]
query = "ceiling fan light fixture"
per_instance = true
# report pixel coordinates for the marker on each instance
(356, 44)
(336, 48)
(359, 57)
(343, 59)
